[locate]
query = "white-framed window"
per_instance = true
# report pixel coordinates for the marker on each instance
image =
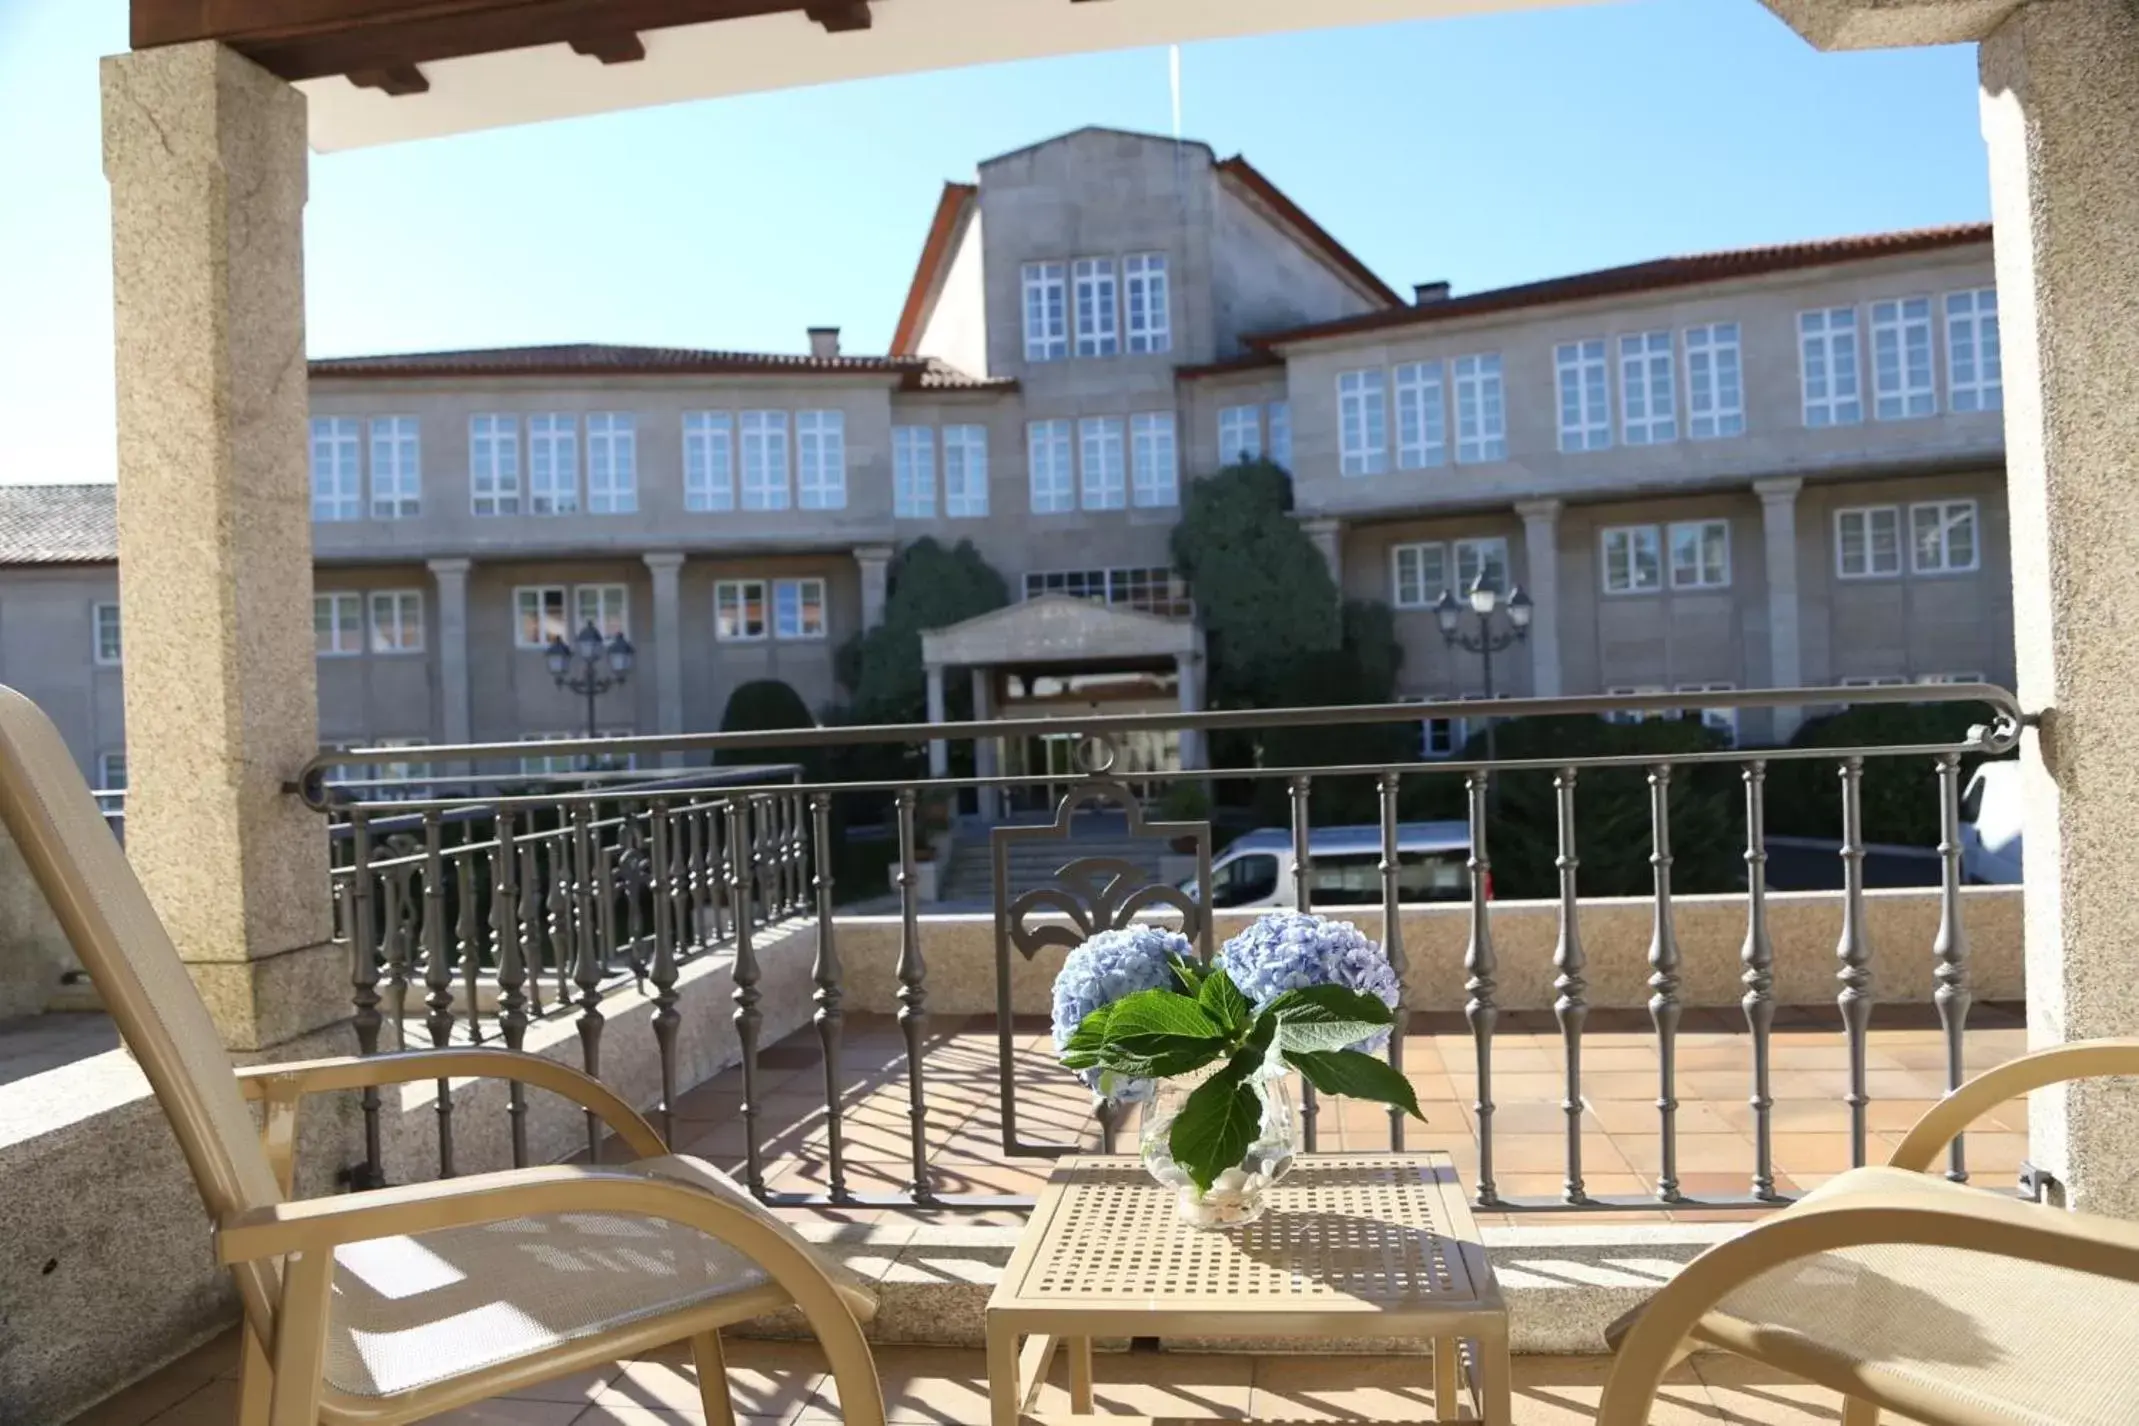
(397, 621)
(1827, 367)
(1872, 680)
(1418, 574)
(396, 468)
(1723, 720)
(1362, 422)
(105, 645)
(1648, 389)
(965, 472)
(1975, 368)
(1099, 458)
(1631, 715)
(606, 606)
(494, 465)
(404, 775)
(539, 616)
(798, 608)
(1046, 312)
(1902, 383)
(1484, 557)
(1098, 307)
(765, 484)
(1481, 410)
(1152, 589)
(111, 771)
(739, 610)
(1048, 467)
(338, 624)
(1146, 295)
(553, 464)
(1421, 416)
(1942, 537)
(1867, 542)
(1941, 679)
(821, 459)
(1240, 434)
(708, 460)
(1715, 382)
(1700, 554)
(1443, 738)
(337, 469)
(1633, 560)
(546, 764)
(1154, 465)
(1281, 434)
(913, 472)
(612, 463)
(1585, 395)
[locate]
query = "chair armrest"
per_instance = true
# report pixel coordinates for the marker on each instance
(1862, 1207)
(1946, 1120)
(292, 1081)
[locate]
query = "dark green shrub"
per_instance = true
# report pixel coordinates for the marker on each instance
(1900, 795)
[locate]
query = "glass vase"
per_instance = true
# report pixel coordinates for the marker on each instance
(1236, 1196)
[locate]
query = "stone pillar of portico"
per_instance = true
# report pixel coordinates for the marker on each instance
(939, 751)
(1541, 552)
(986, 758)
(1328, 535)
(1188, 676)
(666, 567)
(874, 562)
(205, 154)
(1778, 528)
(449, 577)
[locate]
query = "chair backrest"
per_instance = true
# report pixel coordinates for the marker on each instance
(47, 807)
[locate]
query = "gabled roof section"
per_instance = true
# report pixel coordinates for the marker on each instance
(1083, 129)
(607, 359)
(1656, 275)
(1313, 235)
(59, 524)
(954, 211)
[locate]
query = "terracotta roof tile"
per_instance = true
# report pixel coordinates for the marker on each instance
(58, 524)
(601, 358)
(936, 252)
(1251, 178)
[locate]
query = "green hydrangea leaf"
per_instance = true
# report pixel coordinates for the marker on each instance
(1220, 999)
(1216, 1126)
(1356, 1076)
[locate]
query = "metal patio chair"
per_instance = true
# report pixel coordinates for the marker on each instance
(1907, 1293)
(395, 1304)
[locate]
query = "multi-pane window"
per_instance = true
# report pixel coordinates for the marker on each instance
(338, 624)
(606, 606)
(1281, 433)
(1098, 307)
(1443, 737)
(1700, 554)
(1099, 450)
(1046, 312)
(765, 460)
(1240, 434)
(1362, 423)
(1633, 560)
(1827, 367)
(337, 469)
(708, 460)
(539, 616)
(1902, 383)
(397, 621)
(1482, 559)
(1648, 389)
(1421, 416)
(396, 468)
(1481, 410)
(111, 772)
(612, 463)
(1634, 715)
(1975, 371)
(1076, 583)
(1715, 382)
(739, 610)
(494, 464)
(965, 472)
(1418, 574)
(1585, 395)
(798, 608)
(104, 623)
(1144, 288)
(1942, 537)
(1154, 467)
(552, 465)
(1153, 590)
(1867, 542)
(913, 472)
(821, 459)
(1047, 463)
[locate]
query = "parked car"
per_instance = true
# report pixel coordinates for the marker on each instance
(1990, 825)
(1344, 866)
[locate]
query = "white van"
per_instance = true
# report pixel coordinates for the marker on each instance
(1344, 866)
(1990, 825)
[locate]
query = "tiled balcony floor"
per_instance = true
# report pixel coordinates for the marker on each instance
(1620, 1124)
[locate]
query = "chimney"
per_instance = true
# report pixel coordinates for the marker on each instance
(1425, 294)
(824, 342)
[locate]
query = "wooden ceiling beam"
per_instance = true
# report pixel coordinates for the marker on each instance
(396, 80)
(838, 16)
(619, 48)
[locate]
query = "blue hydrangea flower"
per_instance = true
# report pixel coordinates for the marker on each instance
(1106, 968)
(1291, 950)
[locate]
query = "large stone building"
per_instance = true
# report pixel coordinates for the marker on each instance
(1769, 467)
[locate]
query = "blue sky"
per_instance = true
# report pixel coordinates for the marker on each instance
(1482, 151)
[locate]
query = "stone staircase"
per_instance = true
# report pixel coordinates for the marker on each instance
(971, 876)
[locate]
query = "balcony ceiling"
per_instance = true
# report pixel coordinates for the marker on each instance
(386, 71)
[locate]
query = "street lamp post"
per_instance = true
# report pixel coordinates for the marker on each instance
(589, 666)
(1484, 602)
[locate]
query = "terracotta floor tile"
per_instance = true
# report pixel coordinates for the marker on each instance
(928, 1386)
(1762, 1396)
(1308, 1388)
(158, 1392)
(767, 1381)
(1564, 1391)
(503, 1413)
(581, 1387)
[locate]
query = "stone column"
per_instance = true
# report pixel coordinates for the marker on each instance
(205, 153)
(1328, 536)
(939, 752)
(667, 567)
(1778, 528)
(875, 564)
(1541, 552)
(986, 758)
(1188, 675)
(450, 578)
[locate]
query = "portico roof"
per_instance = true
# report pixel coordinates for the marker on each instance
(1060, 628)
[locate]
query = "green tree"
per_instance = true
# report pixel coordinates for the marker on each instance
(765, 705)
(1263, 591)
(930, 587)
(1899, 794)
